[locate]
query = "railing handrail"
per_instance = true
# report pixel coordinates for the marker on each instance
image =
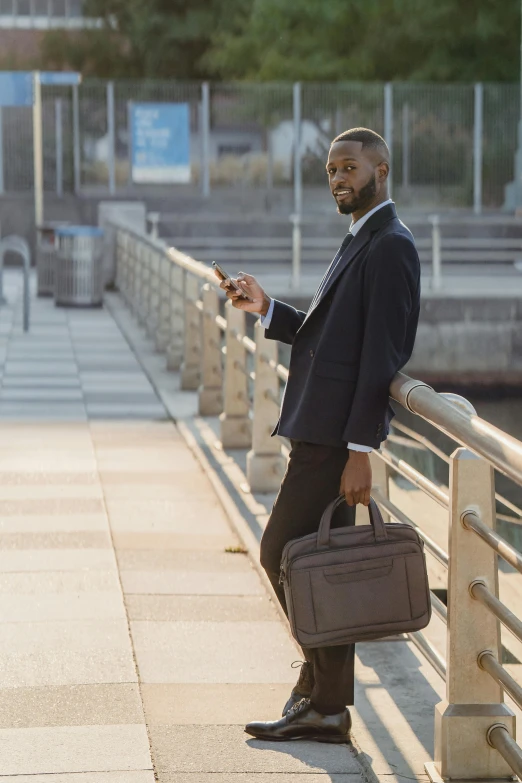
(500, 449)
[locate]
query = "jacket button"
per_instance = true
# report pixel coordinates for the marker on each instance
(311, 353)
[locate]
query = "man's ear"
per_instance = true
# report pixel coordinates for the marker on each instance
(383, 171)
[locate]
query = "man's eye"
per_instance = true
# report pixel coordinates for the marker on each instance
(331, 171)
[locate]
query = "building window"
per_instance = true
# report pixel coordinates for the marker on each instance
(6, 7)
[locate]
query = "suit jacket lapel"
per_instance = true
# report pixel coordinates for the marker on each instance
(357, 244)
(374, 223)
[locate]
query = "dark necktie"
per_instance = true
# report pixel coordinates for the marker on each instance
(329, 272)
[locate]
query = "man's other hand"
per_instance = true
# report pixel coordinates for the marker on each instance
(248, 284)
(356, 481)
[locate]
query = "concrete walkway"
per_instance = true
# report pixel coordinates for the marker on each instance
(133, 644)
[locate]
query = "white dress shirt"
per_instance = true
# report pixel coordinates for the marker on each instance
(354, 230)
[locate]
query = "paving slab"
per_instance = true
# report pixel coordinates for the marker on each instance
(56, 560)
(70, 705)
(228, 749)
(165, 541)
(44, 523)
(61, 606)
(191, 583)
(65, 653)
(56, 540)
(89, 777)
(39, 582)
(238, 777)
(74, 749)
(191, 560)
(182, 652)
(200, 608)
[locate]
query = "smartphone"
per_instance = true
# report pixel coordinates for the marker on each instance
(219, 269)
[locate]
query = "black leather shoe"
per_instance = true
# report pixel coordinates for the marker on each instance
(303, 687)
(303, 722)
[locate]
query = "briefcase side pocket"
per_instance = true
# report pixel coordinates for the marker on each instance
(303, 602)
(418, 588)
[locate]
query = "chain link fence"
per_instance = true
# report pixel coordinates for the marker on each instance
(242, 136)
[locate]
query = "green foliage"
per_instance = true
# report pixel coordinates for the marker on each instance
(288, 40)
(321, 40)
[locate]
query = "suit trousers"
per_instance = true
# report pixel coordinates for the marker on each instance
(311, 481)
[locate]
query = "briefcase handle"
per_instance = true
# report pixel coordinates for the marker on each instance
(377, 522)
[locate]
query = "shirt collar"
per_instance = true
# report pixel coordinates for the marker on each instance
(356, 227)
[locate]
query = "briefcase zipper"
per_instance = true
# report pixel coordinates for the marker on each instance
(282, 575)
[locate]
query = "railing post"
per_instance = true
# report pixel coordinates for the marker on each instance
(380, 480)
(175, 346)
(191, 365)
(236, 426)
(474, 702)
(162, 337)
(211, 389)
(265, 463)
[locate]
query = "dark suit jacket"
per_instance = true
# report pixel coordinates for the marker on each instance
(352, 341)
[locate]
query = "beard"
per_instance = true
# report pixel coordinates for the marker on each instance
(361, 200)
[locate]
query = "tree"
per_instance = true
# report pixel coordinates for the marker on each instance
(450, 40)
(161, 38)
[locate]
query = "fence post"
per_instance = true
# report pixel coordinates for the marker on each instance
(477, 148)
(388, 127)
(211, 389)
(265, 463)
(405, 149)
(191, 364)
(205, 139)
(111, 138)
(474, 702)
(175, 346)
(76, 138)
(298, 178)
(236, 426)
(436, 253)
(59, 145)
(296, 249)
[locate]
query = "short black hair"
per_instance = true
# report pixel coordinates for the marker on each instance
(369, 139)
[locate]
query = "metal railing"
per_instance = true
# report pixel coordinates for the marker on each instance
(238, 378)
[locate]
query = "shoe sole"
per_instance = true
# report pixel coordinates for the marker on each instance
(342, 740)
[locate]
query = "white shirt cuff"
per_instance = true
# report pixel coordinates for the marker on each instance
(358, 447)
(266, 319)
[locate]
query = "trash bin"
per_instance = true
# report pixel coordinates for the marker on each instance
(78, 276)
(46, 253)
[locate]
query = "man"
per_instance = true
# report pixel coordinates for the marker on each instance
(358, 332)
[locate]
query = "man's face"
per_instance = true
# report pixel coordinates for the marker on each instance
(355, 176)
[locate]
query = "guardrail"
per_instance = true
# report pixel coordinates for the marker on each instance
(238, 378)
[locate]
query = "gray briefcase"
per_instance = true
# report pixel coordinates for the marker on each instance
(355, 584)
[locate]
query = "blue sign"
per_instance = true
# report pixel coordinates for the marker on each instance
(16, 88)
(160, 142)
(60, 78)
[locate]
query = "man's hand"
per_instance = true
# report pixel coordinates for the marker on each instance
(356, 481)
(249, 284)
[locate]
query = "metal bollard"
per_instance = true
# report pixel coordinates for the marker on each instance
(236, 426)
(265, 462)
(473, 700)
(211, 389)
(191, 365)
